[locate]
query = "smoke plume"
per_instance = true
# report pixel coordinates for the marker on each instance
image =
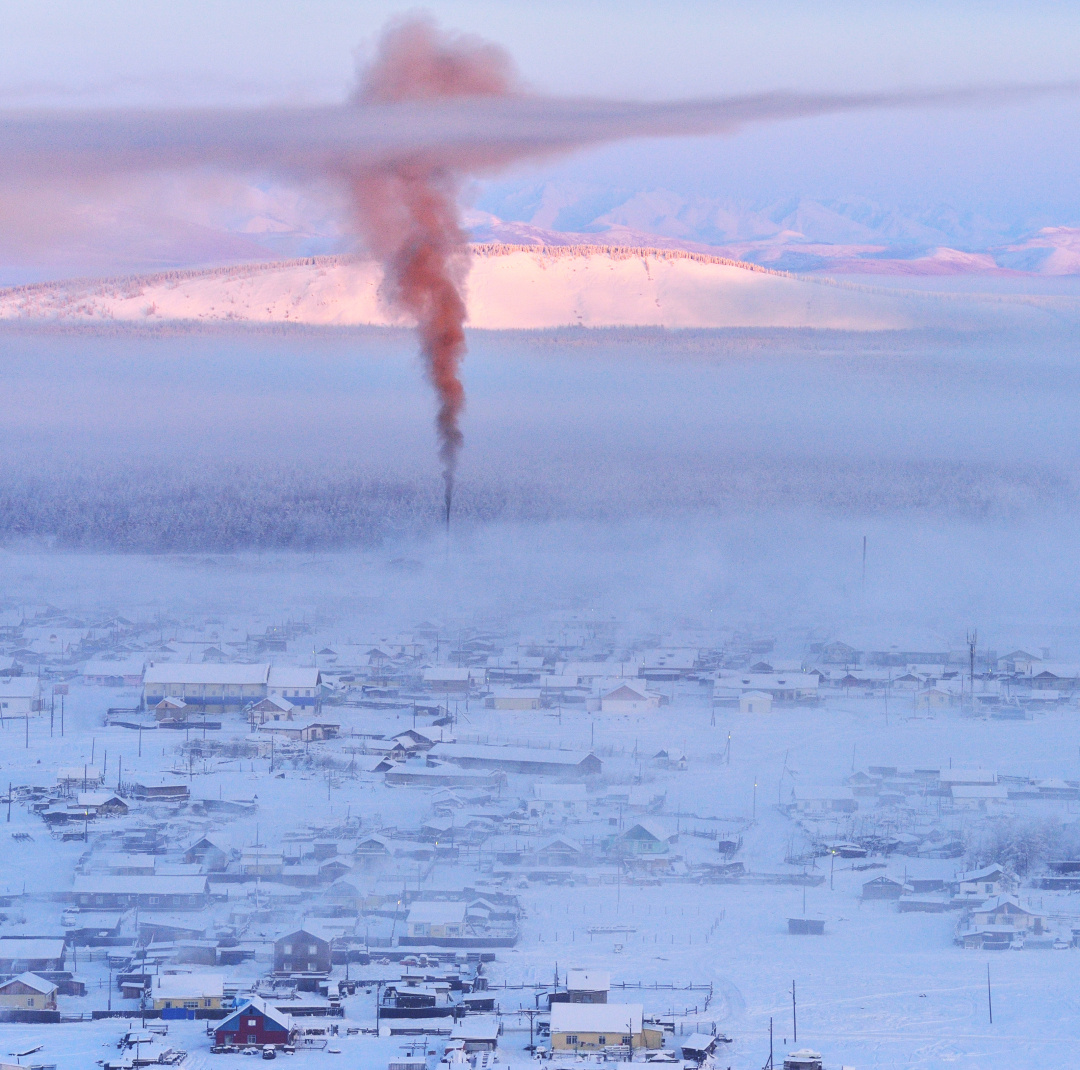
(431, 111)
(407, 208)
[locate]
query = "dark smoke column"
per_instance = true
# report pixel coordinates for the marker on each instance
(407, 209)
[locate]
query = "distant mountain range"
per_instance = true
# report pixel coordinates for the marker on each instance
(805, 235)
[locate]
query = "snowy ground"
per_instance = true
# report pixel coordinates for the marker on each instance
(878, 990)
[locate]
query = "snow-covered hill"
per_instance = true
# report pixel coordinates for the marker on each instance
(509, 287)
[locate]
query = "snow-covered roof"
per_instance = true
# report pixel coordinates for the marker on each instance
(617, 1019)
(19, 687)
(31, 980)
(189, 986)
(588, 981)
(437, 914)
(27, 948)
(292, 676)
(182, 672)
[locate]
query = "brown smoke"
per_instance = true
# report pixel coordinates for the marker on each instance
(407, 207)
(430, 111)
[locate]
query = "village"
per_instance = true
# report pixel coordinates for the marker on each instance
(469, 845)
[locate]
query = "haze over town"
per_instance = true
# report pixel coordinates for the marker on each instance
(539, 537)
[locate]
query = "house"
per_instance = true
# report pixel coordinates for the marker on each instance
(301, 951)
(170, 709)
(595, 1026)
(213, 855)
(102, 803)
(560, 851)
(205, 686)
(28, 992)
(629, 698)
(799, 688)
(36, 954)
(258, 861)
(517, 759)
(162, 790)
(823, 800)
(755, 702)
(558, 800)
(302, 687)
(445, 679)
(933, 698)
(272, 708)
(645, 838)
(188, 991)
(514, 698)
(1005, 911)
(587, 986)
(92, 891)
(478, 1032)
(428, 922)
(19, 696)
(837, 653)
(882, 888)
(254, 1025)
(983, 883)
(127, 673)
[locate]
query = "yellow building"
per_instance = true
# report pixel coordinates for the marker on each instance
(595, 1026)
(28, 992)
(188, 991)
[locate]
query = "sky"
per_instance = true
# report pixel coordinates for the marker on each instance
(979, 175)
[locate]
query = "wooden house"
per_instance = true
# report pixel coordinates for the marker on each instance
(254, 1025)
(28, 992)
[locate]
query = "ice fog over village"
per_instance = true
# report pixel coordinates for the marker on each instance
(550, 561)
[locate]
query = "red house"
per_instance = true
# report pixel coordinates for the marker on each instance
(254, 1024)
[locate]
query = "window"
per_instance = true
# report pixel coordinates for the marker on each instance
(191, 1004)
(627, 1039)
(252, 1022)
(30, 1001)
(601, 1039)
(252, 1038)
(288, 949)
(571, 1038)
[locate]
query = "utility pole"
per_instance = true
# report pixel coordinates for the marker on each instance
(972, 639)
(989, 998)
(794, 1017)
(9, 802)
(769, 1064)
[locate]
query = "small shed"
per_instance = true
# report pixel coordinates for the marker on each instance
(698, 1046)
(806, 926)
